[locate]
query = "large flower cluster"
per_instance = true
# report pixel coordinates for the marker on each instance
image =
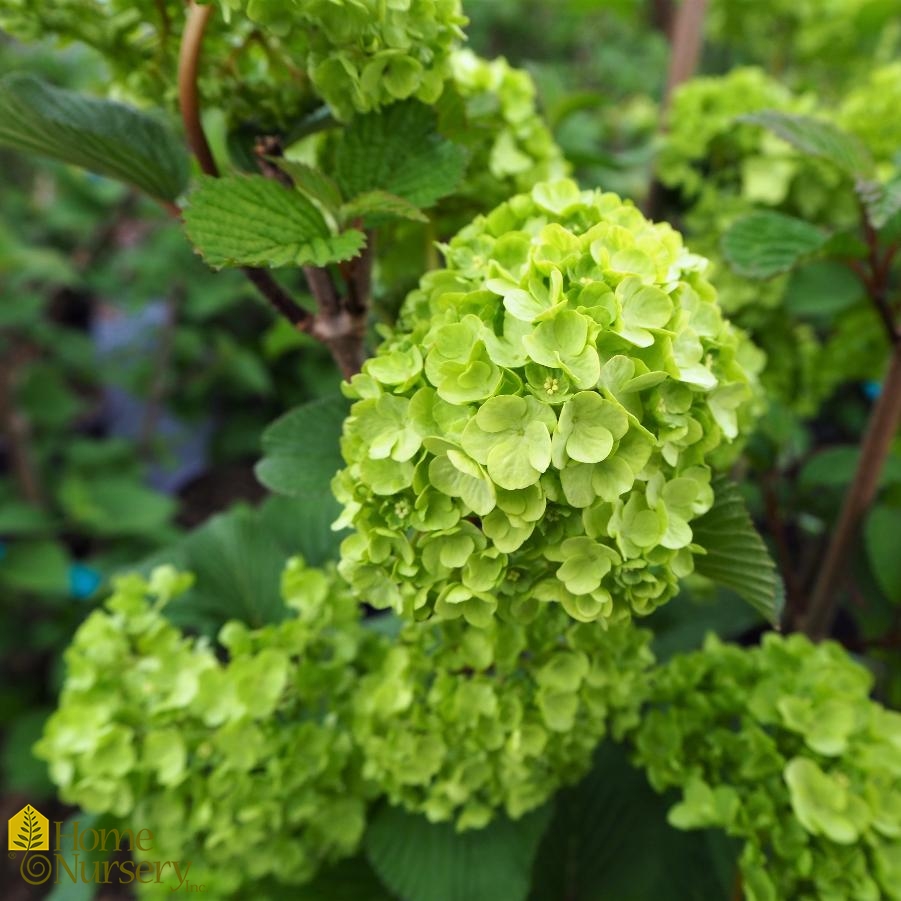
(781, 747)
(545, 413)
(364, 54)
(458, 722)
(510, 145)
(246, 768)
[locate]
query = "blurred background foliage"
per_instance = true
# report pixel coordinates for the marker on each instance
(135, 385)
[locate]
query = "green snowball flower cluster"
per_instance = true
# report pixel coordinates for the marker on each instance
(546, 411)
(781, 747)
(870, 111)
(252, 77)
(511, 147)
(365, 54)
(457, 722)
(246, 768)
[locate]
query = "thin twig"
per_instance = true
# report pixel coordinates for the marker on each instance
(188, 93)
(189, 103)
(877, 443)
(686, 42)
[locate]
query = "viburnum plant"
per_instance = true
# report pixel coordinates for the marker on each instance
(533, 461)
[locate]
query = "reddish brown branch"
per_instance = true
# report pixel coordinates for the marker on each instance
(877, 442)
(188, 92)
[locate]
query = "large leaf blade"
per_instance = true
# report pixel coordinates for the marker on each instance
(817, 138)
(736, 556)
(105, 137)
(610, 840)
(763, 244)
(425, 861)
(255, 221)
(398, 151)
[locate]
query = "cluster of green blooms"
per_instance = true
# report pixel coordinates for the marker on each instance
(808, 41)
(458, 722)
(139, 41)
(546, 411)
(511, 148)
(246, 767)
(781, 747)
(364, 54)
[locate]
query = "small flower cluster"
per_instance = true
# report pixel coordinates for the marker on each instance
(547, 412)
(781, 747)
(365, 54)
(458, 722)
(246, 767)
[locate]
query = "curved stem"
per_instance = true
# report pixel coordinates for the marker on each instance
(877, 443)
(188, 94)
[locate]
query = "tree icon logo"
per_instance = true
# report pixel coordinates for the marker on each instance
(29, 831)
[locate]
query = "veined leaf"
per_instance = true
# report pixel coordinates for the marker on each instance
(301, 450)
(255, 221)
(375, 206)
(312, 182)
(399, 151)
(105, 137)
(817, 138)
(882, 202)
(764, 244)
(433, 862)
(881, 539)
(610, 840)
(736, 556)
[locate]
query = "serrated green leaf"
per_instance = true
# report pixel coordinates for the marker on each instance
(301, 450)
(433, 862)
(881, 533)
(255, 221)
(19, 518)
(882, 202)
(349, 880)
(764, 244)
(400, 151)
(817, 138)
(312, 182)
(609, 840)
(376, 206)
(104, 137)
(736, 556)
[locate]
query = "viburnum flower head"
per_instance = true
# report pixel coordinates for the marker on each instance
(540, 425)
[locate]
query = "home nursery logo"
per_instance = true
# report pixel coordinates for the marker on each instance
(76, 854)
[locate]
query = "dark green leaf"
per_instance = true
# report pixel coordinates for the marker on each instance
(105, 137)
(399, 150)
(66, 889)
(764, 244)
(349, 880)
(115, 505)
(821, 289)
(421, 861)
(19, 518)
(883, 527)
(817, 138)
(301, 450)
(609, 840)
(736, 556)
(835, 466)
(255, 221)
(41, 567)
(24, 772)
